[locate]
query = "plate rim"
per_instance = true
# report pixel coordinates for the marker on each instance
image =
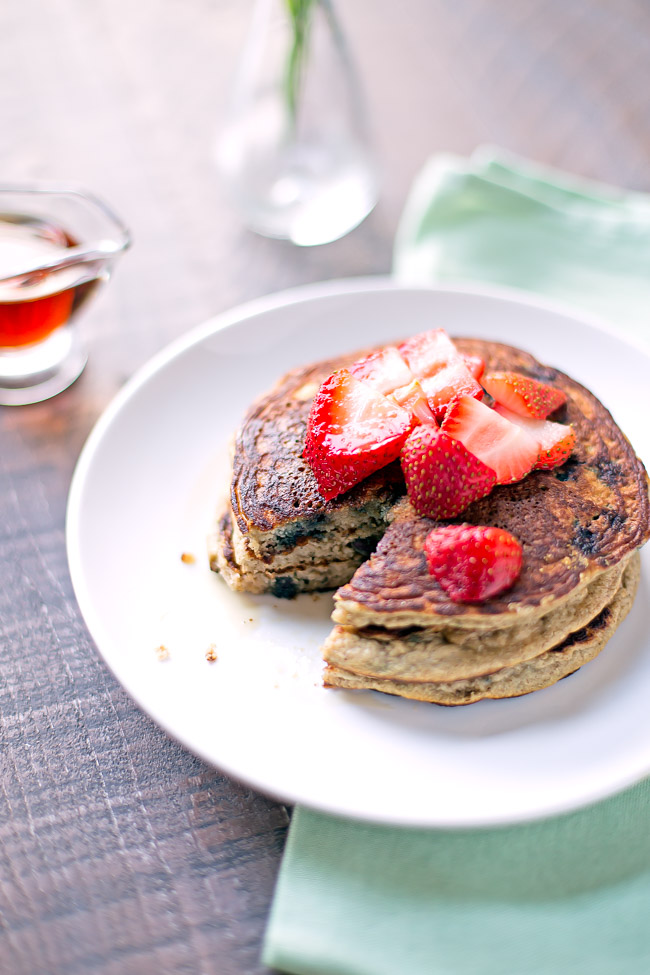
(231, 318)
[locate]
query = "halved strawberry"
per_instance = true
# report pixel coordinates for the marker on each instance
(441, 475)
(413, 399)
(524, 396)
(555, 440)
(475, 364)
(385, 370)
(473, 562)
(428, 352)
(504, 446)
(352, 431)
(451, 382)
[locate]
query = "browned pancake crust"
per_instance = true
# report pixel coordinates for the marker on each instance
(271, 484)
(573, 521)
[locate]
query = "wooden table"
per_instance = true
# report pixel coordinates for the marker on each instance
(119, 851)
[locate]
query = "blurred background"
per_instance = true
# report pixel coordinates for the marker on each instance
(127, 98)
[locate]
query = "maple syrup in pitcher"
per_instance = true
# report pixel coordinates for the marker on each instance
(58, 244)
(33, 307)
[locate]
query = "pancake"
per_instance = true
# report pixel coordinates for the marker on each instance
(544, 670)
(573, 522)
(397, 631)
(278, 534)
(425, 654)
(274, 494)
(323, 561)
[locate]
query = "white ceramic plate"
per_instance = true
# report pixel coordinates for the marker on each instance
(145, 491)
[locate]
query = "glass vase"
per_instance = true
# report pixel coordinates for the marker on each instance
(294, 151)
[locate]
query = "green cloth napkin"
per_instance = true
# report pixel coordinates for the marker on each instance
(565, 896)
(498, 219)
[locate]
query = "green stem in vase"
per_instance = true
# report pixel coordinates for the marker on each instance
(300, 14)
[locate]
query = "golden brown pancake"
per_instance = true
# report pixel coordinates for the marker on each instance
(278, 534)
(579, 525)
(573, 522)
(427, 654)
(577, 649)
(272, 486)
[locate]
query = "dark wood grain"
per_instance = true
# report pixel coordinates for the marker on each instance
(119, 851)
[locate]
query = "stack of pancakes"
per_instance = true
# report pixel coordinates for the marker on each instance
(277, 534)
(580, 526)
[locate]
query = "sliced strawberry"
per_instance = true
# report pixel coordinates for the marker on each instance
(385, 370)
(475, 364)
(428, 352)
(443, 372)
(441, 475)
(504, 446)
(472, 563)
(413, 399)
(554, 440)
(556, 446)
(352, 431)
(451, 382)
(524, 396)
